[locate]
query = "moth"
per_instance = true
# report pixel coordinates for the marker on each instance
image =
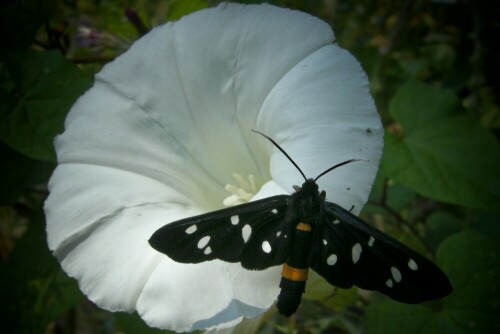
(302, 231)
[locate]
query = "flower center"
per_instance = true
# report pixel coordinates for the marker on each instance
(242, 192)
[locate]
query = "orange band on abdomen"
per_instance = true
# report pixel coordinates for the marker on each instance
(294, 274)
(303, 227)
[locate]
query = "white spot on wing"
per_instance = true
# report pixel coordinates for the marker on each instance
(207, 250)
(331, 260)
(412, 264)
(235, 219)
(275, 211)
(389, 283)
(396, 274)
(266, 247)
(278, 233)
(203, 242)
(336, 221)
(325, 242)
(246, 231)
(356, 252)
(371, 241)
(191, 229)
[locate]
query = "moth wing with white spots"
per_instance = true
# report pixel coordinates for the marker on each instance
(255, 234)
(346, 251)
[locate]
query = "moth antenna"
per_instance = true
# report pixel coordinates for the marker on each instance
(282, 151)
(337, 165)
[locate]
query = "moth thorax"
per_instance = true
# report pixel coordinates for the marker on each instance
(307, 201)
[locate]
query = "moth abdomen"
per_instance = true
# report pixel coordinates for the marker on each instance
(295, 271)
(290, 296)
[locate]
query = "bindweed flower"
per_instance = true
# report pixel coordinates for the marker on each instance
(165, 133)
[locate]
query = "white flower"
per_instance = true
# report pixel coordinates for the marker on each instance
(164, 128)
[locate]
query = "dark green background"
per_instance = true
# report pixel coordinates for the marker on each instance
(434, 74)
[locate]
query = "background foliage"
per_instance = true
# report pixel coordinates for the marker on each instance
(434, 75)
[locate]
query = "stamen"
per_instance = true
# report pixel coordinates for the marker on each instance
(242, 192)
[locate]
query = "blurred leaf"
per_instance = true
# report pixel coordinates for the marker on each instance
(20, 20)
(442, 153)
(33, 112)
(56, 294)
(341, 299)
(180, 8)
(132, 324)
(439, 226)
(18, 171)
(31, 259)
(472, 263)
(36, 291)
(487, 224)
(317, 288)
(389, 317)
(397, 196)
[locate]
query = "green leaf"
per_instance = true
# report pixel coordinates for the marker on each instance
(33, 283)
(397, 196)
(443, 152)
(132, 323)
(486, 224)
(472, 262)
(341, 299)
(55, 295)
(439, 226)
(32, 112)
(20, 20)
(18, 171)
(180, 8)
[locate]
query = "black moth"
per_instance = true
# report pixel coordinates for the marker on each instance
(302, 231)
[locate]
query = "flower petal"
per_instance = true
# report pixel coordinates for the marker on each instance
(270, 188)
(119, 271)
(326, 116)
(196, 307)
(235, 71)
